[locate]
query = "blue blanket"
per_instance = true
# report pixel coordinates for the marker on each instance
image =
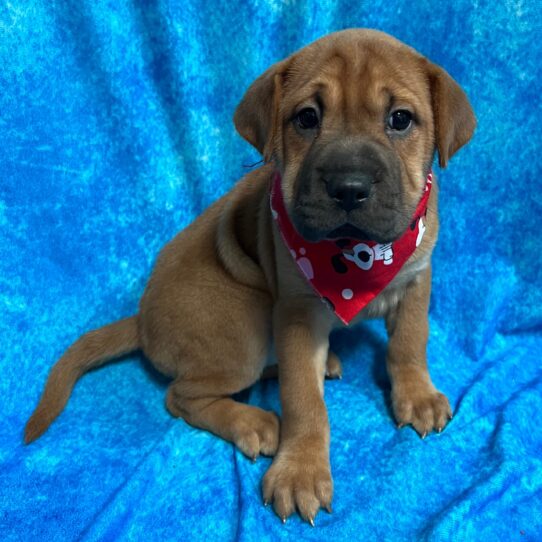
(116, 131)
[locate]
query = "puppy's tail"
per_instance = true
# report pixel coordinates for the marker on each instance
(91, 350)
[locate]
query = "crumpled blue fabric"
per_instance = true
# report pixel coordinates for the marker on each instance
(116, 131)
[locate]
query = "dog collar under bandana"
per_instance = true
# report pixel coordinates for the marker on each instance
(348, 273)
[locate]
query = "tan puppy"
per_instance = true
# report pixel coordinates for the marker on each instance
(352, 123)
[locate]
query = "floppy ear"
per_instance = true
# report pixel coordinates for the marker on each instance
(257, 117)
(453, 115)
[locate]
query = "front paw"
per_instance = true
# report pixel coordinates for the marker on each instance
(423, 407)
(300, 480)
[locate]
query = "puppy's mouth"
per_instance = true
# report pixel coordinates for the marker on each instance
(314, 233)
(348, 231)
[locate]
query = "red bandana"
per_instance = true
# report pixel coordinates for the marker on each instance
(348, 273)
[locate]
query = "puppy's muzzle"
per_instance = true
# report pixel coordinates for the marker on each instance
(349, 187)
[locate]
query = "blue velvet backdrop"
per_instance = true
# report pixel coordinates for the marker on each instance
(116, 131)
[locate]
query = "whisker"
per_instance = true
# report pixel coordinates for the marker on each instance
(247, 166)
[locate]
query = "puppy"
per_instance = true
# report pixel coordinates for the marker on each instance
(348, 127)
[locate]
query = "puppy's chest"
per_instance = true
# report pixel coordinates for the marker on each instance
(394, 291)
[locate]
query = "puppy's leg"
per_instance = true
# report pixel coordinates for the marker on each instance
(253, 430)
(334, 368)
(414, 398)
(213, 343)
(300, 474)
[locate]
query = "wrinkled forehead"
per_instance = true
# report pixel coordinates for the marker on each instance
(357, 75)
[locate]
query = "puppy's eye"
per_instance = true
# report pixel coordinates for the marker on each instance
(307, 119)
(400, 120)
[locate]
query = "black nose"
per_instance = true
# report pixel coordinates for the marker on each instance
(350, 190)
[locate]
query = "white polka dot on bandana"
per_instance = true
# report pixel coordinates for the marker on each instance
(347, 293)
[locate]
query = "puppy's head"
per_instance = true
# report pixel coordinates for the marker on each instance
(352, 122)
